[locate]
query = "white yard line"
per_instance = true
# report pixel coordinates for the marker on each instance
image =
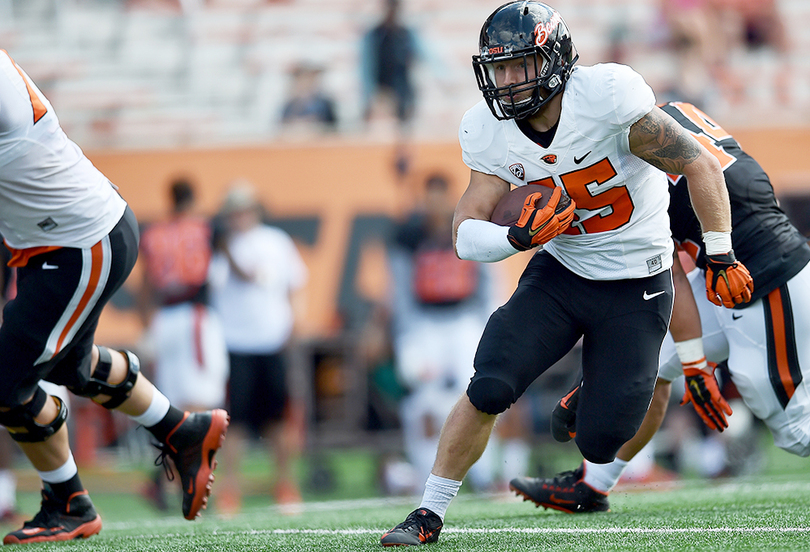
(511, 530)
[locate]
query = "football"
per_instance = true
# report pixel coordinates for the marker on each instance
(507, 211)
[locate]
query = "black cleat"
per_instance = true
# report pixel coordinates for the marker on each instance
(565, 491)
(420, 527)
(564, 417)
(192, 446)
(59, 521)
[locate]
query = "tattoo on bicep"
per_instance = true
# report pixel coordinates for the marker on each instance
(666, 145)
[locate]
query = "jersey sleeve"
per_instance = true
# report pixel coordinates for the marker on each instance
(632, 96)
(478, 132)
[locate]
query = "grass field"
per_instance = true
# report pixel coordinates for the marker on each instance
(768, 512)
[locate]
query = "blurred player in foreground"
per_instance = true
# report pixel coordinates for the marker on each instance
(765, 341)
(73, 240)
(603, 275)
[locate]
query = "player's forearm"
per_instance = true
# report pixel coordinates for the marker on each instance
(685, 322)
(707, 190)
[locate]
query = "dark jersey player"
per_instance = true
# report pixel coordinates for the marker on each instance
(764, 341)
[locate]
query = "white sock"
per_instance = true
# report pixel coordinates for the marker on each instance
(61, 474)
(439, 491)
(157, 410)
(603, 477)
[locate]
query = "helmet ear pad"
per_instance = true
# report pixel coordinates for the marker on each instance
(536, 33)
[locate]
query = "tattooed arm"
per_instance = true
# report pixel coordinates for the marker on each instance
(660, 141)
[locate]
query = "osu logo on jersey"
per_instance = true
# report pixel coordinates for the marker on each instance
(550, 159)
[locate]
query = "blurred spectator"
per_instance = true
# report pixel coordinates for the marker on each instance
(707, 35)
(377, 355)
(759, 24)
(184, 335)
(257, 278)
(756, 26)
(440, 307)
(389, 51)
(700, 48)
(308, 106)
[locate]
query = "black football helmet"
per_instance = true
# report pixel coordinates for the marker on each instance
(532, 31)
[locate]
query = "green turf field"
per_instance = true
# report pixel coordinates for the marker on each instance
(770, 511)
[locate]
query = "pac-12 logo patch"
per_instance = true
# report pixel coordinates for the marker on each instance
(549, 159)
(518, 170)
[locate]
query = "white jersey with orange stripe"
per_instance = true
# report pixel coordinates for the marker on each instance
(50, 193)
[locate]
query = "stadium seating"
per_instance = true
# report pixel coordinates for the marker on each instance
(128, 74)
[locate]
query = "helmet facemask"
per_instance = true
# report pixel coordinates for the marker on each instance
(511, 100)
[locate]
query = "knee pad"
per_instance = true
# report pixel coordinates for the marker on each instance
(490, 395)
(21, 418)
(97, 384)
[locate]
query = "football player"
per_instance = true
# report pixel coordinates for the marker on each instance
(764, 341)
(603, 274)
(73, 240)
(185, 335)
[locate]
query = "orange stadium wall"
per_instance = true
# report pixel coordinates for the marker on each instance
(339, 197)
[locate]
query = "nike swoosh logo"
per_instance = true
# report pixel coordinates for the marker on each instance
(553, 498)
(696, 390)
(46, 266)
(735, 316)
(423, 535)
(648, 296)
(581, 159)
(533, 231)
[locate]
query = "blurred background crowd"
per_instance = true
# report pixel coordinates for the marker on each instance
(305, 152)
(146, 73)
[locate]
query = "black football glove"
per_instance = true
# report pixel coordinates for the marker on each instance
(564, 416)
(704, 394)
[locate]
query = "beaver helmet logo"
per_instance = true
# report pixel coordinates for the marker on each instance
(544, 29)
(549, 159)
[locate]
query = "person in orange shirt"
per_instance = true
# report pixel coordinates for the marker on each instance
(184, 335)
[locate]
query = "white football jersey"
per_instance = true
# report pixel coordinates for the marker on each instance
(50, 193)
(621, 229)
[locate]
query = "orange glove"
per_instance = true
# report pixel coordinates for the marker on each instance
(704, 394)
(538, 226)
(728, 282)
